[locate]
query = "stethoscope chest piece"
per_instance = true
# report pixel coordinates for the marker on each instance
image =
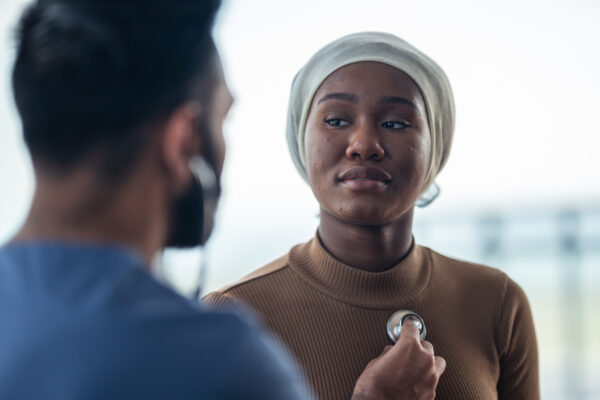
(394, 324)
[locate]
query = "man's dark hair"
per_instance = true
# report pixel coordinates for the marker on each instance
(92, 75)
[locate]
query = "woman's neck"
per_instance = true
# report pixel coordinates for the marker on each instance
(372, 248)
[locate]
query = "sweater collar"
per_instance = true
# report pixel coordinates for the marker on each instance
(381, 290)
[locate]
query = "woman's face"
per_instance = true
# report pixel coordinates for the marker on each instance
(367, 143)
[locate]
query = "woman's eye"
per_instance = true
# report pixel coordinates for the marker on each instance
(395, 125)
(336, 122)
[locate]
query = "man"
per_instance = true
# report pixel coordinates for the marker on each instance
(122, 105)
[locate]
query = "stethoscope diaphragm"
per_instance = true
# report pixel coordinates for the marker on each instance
(394, 324)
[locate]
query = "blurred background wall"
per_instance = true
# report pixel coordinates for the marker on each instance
(521, 191)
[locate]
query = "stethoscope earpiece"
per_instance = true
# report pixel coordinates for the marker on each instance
(394, 324)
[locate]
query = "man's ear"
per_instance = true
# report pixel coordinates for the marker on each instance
(180, 143)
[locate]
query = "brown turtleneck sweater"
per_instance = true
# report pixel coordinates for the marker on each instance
(333, 318)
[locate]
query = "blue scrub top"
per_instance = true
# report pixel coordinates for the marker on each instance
(89, 322)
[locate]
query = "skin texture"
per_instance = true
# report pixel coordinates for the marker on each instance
(368, 150)
(369, 115)
(80, 206)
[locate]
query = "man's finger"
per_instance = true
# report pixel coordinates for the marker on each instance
(440, 365)
(427, 346)
(386, 349)
(410, 331)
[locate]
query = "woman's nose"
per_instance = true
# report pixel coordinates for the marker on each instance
(365, 145)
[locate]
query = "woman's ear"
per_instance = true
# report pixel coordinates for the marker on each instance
(180, 142)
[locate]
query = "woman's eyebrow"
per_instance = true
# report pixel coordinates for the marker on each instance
(339, 96)
(397, 100)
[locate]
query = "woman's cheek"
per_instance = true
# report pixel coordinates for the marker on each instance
(321, 158)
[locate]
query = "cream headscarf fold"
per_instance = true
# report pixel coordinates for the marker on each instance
(387, 49)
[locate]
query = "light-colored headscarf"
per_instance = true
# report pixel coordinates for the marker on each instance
(387, 49)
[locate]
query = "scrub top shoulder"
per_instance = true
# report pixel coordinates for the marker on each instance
(82, 321)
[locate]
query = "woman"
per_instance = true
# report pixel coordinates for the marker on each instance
(370, 125)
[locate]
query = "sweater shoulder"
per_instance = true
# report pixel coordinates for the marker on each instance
(486, 282)
(227, 295)
(462, 269)
(259, 274)
(467, 280)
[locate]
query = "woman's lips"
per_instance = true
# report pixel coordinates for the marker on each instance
(365, 178)
(363, 185)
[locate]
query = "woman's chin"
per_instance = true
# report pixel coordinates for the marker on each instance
(368, 213)
(364, 217)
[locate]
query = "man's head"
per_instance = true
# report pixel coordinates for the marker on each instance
(98, 82)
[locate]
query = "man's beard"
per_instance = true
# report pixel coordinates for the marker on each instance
(187, 218)
(192, 215)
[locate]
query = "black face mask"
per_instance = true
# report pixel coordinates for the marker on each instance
(192, 213)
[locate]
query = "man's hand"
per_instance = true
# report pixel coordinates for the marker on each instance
(407, 370)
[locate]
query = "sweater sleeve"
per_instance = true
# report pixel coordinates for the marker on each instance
(518, 347)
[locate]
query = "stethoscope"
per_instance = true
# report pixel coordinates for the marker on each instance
(394, 324)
